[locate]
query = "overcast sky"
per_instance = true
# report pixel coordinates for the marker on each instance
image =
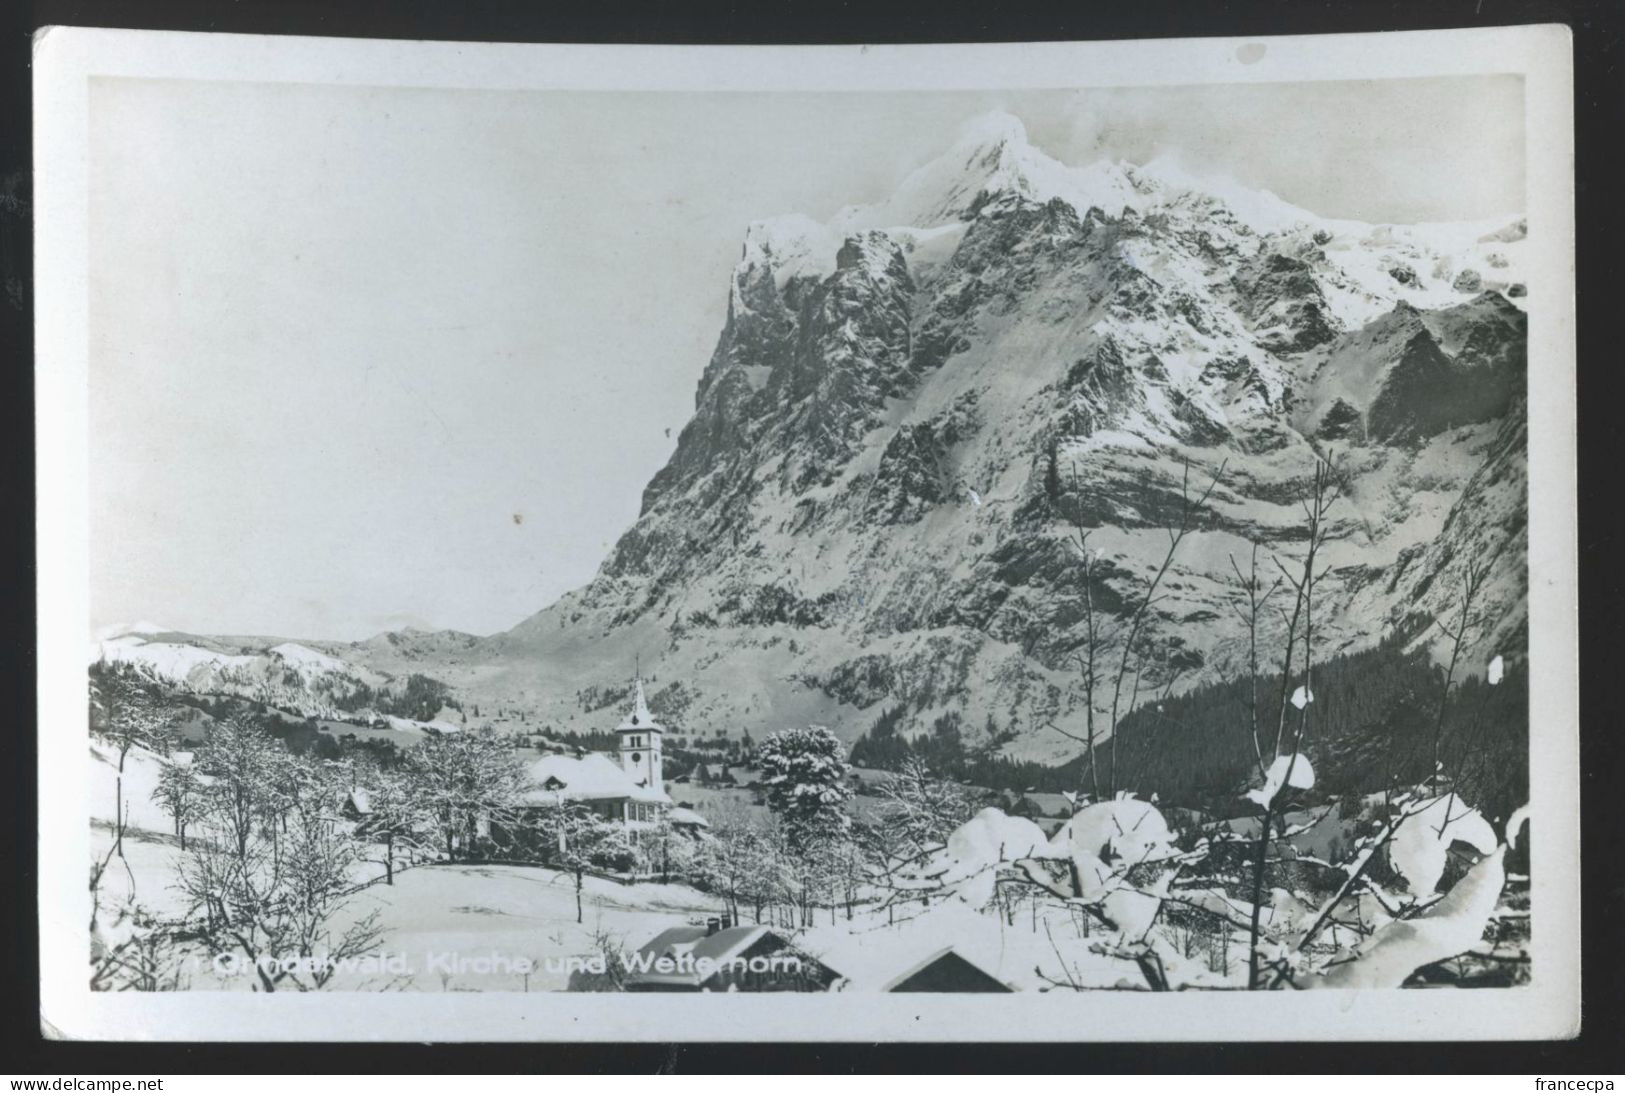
(366, 358)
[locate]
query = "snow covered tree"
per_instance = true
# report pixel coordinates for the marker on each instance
(466, 779)
(923, 808)
(241, 761)
(842, 872)
(274, 867)
(125, 711)
(731, 857)
(804, 774)
(397, 819)
(137, 951)
(670, 852)
(180, 794)
(578, 839)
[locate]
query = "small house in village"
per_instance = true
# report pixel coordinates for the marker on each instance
(722, 957)
(946, 971)
(357, 806)
(947, 949)
(1048, 805)
(687, 820)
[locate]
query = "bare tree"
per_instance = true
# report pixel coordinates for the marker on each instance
(1254, 597)
(144, 954)
(1088, 658)
(181, 795)
(271, 892)
(1476, 572)
(1324, 490)
(130, 716)
(1131, 656)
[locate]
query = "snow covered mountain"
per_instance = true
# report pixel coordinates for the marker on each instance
(287, 675)
(909, 406)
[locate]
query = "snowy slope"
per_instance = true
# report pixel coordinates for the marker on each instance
(287, 675)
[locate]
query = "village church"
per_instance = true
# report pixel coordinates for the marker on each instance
(628, 787)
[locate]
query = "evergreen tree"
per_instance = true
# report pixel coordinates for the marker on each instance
(804, 774)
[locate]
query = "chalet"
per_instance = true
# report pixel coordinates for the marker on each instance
(946, 971)
(1048, 804)
(357, 806)
(687, 820)
(719, 957)
(947, 949)
(868, 779)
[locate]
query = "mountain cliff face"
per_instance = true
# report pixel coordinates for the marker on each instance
(910, 408)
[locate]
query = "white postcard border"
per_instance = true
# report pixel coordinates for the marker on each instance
(66, 59)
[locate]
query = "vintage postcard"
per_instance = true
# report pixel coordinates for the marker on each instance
(1014, 542)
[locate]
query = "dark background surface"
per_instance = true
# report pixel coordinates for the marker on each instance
(1600, 121)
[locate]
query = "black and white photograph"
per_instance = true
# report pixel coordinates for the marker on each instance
(820, 524)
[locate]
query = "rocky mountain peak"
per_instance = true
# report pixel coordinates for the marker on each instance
(910, 408)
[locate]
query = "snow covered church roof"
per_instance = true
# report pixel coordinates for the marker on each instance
(556, 778)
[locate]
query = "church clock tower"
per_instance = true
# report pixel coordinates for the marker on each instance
(640, 742)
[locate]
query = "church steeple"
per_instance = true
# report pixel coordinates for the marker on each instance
(640, 717)
(640, 741)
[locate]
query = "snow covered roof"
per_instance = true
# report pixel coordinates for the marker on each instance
(870, 775)
(640, 719)
(593, 777)
(879, 959)
(679, 942)
(932, 958)
(719, 946)
(687, 817)
(1051, 804)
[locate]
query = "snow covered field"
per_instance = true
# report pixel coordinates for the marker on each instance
(433, 914)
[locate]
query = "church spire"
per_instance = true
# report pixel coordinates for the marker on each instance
(640, 717)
